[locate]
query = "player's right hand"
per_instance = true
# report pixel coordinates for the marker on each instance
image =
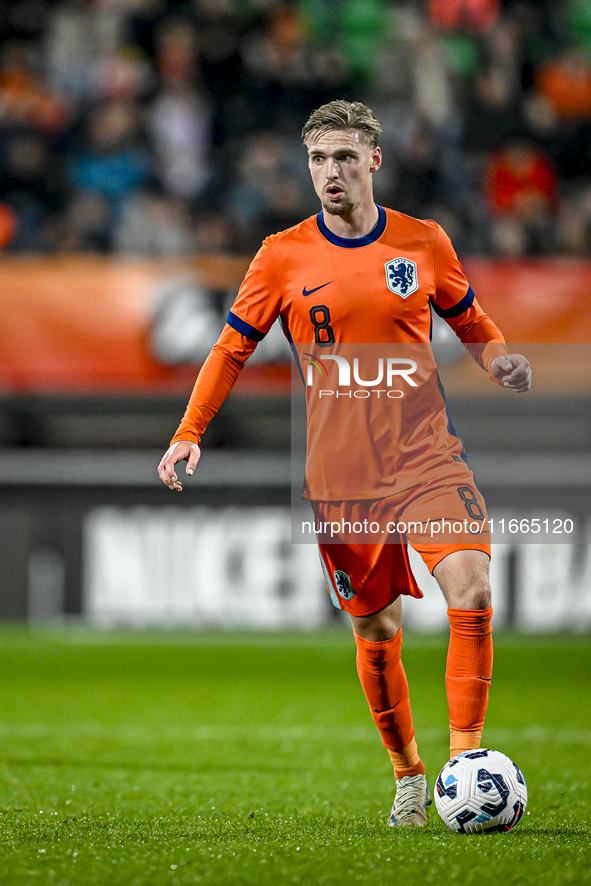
(182, 450)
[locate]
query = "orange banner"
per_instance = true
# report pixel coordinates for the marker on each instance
(90, 324)
(535, 300)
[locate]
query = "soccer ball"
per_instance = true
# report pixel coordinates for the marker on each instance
(481, 790)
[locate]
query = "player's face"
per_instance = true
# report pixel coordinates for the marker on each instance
(341, 165)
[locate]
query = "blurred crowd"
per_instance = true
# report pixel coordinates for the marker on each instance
(169, 127)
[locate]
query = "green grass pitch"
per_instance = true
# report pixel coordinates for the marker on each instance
(233, 759)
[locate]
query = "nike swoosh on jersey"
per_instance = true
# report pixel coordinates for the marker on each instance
(306, 292)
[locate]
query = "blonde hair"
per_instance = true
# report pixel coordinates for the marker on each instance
(341, 114)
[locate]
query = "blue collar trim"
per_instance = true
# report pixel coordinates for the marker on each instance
(355, 242)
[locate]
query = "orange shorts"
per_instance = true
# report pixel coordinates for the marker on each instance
(363, 543)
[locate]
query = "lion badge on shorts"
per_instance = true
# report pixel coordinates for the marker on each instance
(401, 276)
(343, 583)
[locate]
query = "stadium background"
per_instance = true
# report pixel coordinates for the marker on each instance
(146, 148)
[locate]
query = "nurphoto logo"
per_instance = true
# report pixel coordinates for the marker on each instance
(389, 371)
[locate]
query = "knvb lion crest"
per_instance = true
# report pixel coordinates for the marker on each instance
(343, 583)
(401, 276)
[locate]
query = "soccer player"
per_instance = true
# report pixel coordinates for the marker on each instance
(358, 272)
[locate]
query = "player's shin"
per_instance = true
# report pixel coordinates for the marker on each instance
(468, 676)
(385, 685)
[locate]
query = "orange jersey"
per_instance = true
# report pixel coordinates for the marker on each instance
(333, 295)
(377, 288)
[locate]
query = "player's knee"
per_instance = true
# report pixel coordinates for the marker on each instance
(481, 597)
(379, 626)
(475, 596)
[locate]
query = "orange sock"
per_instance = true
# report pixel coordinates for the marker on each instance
(468, 675)
(385, 685)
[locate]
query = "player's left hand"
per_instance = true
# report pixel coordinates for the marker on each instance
(513, 371)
